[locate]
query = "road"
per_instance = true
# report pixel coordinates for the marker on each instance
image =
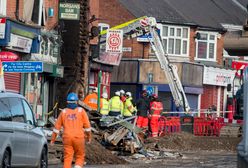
(190, 159)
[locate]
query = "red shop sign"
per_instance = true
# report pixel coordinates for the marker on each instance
(8, 56)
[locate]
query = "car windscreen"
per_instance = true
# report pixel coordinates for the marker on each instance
(5, 114)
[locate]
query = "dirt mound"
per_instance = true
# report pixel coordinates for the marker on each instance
(97, 154)
(186, 141)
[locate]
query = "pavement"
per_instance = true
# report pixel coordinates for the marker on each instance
(189, 159)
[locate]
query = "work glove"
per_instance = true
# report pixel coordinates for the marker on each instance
(88, 137)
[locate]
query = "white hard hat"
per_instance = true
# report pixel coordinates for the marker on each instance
(122, 91)
(105, 95)
(129, 94)
(117, 93)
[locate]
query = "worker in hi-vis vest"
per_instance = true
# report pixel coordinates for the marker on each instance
(91, 99)
(156, 108)
(104, 104)
(115, 105)
(76, 129)
(128, 106)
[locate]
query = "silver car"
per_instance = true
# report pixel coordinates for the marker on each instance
(22, 142)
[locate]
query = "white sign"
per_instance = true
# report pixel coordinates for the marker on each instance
(2, 27)
(20, 43)
(217, 76)
(114, 41)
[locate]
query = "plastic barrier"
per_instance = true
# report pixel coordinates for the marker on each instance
(204, 126)
(169, 125)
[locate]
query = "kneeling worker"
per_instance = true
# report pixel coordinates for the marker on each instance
(76, 126)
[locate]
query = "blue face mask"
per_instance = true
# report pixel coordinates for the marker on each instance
(72, 105)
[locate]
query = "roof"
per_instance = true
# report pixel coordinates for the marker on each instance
(161, 10)
(204, 13)
(9, 94)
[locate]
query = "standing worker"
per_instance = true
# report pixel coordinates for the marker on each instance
(142, 105)
(76, 129)
(104, 104)
(91, 99)
(128, 106)
(156, 107)
(115, 105)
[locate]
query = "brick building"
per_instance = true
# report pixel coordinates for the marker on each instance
(30, 33)
(192, 39)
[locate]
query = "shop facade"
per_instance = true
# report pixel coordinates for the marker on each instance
(215, 81)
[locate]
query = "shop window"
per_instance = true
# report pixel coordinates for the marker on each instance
(175, 40)
(206, 46)
(3, 5)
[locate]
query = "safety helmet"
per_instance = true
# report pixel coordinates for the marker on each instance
(155, 96)
(122, 92)
(128, 94)
(117, 93)
(72, 97)
(105, 95)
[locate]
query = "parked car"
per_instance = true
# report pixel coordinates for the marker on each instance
(22, 141)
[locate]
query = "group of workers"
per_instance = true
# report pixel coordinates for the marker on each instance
(76, 124)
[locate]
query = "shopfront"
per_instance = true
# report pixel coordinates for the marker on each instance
(17, 40)
(215, 81)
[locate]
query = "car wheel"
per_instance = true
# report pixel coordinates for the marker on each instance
(43, 159)
(6, 159)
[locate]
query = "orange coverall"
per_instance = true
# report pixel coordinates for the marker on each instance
(155, 110)
(91, 100)
(75, 125)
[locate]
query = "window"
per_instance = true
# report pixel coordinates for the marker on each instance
(103, 26)
(28, 112)
(16, 110)
(3, 4)
(5, 114)
(175, 40)
(206, 46)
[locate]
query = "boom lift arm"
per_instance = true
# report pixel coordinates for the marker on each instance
(148, 25)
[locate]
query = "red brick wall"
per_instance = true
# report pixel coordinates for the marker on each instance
(192, 44)
(118, 15)
(220, 46)
(210, 96)
(51, 21)
(11, 8)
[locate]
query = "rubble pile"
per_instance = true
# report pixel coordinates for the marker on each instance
(97, 154)
(186, 141)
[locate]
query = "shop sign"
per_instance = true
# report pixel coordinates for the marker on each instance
(23, 66)
(20, 43)
(2, 27)
(109, 58)
(8, 56)
(114, 41)
(217, 76)
(69, 11)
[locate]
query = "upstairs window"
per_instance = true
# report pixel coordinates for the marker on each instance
(3, 6)
(206, 46)
(175, 40)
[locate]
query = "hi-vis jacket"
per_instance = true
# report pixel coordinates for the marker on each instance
(156, 108)
(74, 123)
(115, 104)
(104, 106)
(128, 107)
(91, 100)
